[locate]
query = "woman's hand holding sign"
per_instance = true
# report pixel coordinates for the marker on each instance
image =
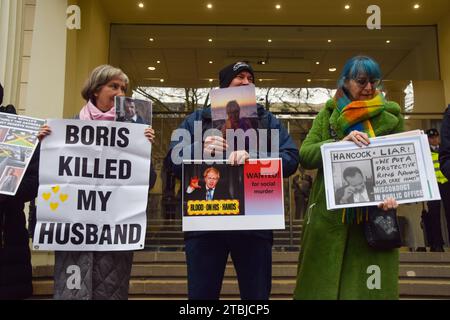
(43, 132)
(360, 138)
(388, 204)
(150, 134)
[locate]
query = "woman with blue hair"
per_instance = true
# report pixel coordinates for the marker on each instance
(335, 261)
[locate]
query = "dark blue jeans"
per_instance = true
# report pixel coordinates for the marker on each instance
(207, 255)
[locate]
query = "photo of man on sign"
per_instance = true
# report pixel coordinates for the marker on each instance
(358, 188)
(213, 190)
(133, 110)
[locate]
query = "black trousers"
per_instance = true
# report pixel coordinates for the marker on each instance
(207, 258)
(432, 219)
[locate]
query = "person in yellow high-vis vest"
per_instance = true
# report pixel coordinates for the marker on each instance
(432, 219)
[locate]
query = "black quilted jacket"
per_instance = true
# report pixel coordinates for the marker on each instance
(104, 275)
(15, 259)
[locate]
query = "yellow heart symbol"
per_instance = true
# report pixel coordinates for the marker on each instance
(46, 196)
(56, 189)
(54, 206)
(63, 197)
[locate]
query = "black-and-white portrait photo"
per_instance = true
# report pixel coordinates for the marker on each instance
(353, 182)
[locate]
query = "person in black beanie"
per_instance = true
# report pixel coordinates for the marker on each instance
(15, 256)
(207, 251)
(239, 72)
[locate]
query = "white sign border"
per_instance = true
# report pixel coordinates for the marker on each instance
(424, 163)
(227, 223)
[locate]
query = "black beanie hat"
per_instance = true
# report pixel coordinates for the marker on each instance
(230, 72)
(1, 94)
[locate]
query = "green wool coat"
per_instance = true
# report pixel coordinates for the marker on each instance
(335, 261)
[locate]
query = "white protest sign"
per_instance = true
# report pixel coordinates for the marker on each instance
(94, 178)
(217, 196)
(399, 166)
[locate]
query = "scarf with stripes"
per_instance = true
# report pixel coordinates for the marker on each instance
(356, 115)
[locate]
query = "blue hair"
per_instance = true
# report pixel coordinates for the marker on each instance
(359, 65)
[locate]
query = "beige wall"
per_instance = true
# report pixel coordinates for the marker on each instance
(16, 22)
(429, 97)
(25, 56)
(86, 49)
(423, 58)
(444, 53)
(45, 91)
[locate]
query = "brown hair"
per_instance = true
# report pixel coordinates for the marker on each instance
(99, 77)
(233, 106)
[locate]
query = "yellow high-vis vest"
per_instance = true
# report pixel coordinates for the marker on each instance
(439, 176)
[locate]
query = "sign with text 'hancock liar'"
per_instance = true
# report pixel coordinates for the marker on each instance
(94, 180)
(218, 196)
(399, 167)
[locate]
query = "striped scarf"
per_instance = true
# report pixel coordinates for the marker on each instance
(355, 215)
(356, 115)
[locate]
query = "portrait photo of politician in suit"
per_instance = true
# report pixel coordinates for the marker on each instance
(131, 114)
(356, 184)
(210, 183)
(133, 110)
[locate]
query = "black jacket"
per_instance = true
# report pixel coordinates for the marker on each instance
(288, 152)
(444, 149)
(15, 257)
